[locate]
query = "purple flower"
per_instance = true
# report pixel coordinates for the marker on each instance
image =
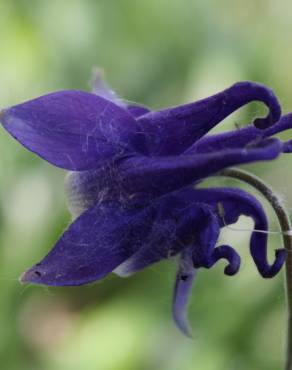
(132, 186)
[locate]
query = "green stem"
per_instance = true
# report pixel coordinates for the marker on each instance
(285, 225)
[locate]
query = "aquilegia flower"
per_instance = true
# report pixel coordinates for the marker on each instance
(133, 182)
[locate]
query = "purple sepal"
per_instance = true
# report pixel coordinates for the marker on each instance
(183, 285)
(94, 245)
(74, 130)
(107, 235)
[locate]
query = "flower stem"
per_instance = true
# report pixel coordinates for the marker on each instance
(285, 225)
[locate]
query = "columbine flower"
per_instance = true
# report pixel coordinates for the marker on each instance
(132, 182)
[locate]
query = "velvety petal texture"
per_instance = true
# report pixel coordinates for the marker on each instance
(133, 186)
(95, 244)
(171, 131)
(240, 138)
(191, 228)
(74, 130)
(105, 236)
(198, 225)
(138, 179)
(158, 175)
(236, 202)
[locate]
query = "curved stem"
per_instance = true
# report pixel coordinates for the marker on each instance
(285, 225)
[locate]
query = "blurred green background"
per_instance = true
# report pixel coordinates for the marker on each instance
(159, 53)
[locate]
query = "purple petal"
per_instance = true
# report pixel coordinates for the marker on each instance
(241, 137)
(183, 285)
(184, 225)
(139, 179)
(206, 238)
(162, 244)
(197, 227)
(173, 130)
(74, 130)
(285, 123)
(228, 253)
(237, 202)
(105, 236)
(94, 245)
(228, 140)
(159, 175)
(205, 233)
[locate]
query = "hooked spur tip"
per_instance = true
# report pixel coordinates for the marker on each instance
(263, 123)
(268, 272)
